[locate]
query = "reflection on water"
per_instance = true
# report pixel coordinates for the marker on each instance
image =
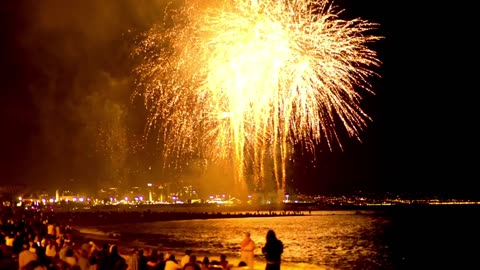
(327, 239)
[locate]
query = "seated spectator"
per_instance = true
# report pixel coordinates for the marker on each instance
(192, 264)
(172, 264)
(224, 262)
(26, 256)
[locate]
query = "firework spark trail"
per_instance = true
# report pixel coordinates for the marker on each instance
(243, 81)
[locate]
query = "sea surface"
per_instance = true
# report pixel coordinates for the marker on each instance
(434, 237)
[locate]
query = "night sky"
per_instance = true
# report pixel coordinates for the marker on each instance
(66, 82)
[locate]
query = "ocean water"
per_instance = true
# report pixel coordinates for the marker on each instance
(391, 238)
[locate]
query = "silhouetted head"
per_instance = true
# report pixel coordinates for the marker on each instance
(271, 235)
(114, 249)
(193, 258)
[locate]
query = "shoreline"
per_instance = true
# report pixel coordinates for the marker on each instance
(126, 250)
(94, 218)
(126, 246)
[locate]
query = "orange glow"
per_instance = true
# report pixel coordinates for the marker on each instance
(240, 82)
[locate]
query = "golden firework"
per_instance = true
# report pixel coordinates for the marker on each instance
(243, 81)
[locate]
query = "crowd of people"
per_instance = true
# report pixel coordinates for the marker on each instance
(44, 241)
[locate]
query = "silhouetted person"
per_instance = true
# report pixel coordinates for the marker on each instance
(224, 262)
(272, 250)
(192, 263)
(242, 264)
(115, 260)
(205, 265)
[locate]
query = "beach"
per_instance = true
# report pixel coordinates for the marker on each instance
(388, 239)
(79, 229)
(127, 246)
(126, 251)
(332, 247)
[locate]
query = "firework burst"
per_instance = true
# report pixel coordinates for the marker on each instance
(243, 81)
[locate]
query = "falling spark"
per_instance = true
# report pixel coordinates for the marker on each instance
(243, 81)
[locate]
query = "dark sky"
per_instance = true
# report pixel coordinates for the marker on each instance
(66, 80)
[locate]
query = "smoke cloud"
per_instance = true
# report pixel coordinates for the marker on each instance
(67, 109)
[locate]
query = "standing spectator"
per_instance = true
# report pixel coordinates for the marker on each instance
(247, 249)
(272, 250)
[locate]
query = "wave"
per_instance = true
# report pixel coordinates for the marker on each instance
(91, 231)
